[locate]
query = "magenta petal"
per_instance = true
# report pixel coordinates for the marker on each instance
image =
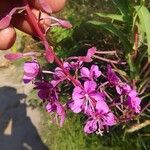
(60, 108)
(134, 103)
(27, 79)
(97, 96)
(95, 72)
(65, 24)
(43, 94)
(89, 86)
(31, 70)
(84, 58)
(76, 107)
(77, 94)
(111, 75)
(102, 107)
(90, 127)
(49, 107)
(132, 94)
(5, 21)
(110, 119)
(13, 56)
(119, 90)
(127, 88)
(91, 52)
(85, 72)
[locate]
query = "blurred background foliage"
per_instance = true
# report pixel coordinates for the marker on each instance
(76, 42)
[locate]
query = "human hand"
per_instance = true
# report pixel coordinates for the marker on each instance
(19, 21)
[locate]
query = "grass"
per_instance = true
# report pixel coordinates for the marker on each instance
(72, 137)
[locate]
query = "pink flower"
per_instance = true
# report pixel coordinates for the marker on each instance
(59, 75)
(91, 74)
(46, 91)
(65, 23)
(112, 77)
(89, 55)
(86, 98)
(134, 101)
(58, 108)
(31, 70)
(102, 117)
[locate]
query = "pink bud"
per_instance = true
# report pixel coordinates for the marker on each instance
(13, 56)
(65, 24)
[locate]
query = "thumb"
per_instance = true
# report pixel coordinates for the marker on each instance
(7, 38)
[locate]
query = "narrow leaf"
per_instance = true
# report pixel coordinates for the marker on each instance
(144, 17)
(114, 31)
(111, 16)
(123, 6)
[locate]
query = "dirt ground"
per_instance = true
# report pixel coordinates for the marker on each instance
(19, 122)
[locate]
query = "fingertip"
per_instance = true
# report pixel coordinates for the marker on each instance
(20, 21)
(7, 38)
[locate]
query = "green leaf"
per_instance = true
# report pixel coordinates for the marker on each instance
(111, 16)
(114, 31)
(144, 17)
(123, 6)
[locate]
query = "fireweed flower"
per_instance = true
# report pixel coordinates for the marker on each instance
(122, 88)
(31, 70)
(59, 76)
(111, 76)
(115, 81)
(75, 65)
(89, 55)
(85, 98)
(91, 74)
(58, 108)
(100, 118)
(134, 101)
(46, 91)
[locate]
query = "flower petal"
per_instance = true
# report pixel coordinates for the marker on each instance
(102, 107)
(89, 86)
(77, 94)
(90, 127)
(110, 119)
(91, 52)
(97, 96)
(95, 72)
(85, 72)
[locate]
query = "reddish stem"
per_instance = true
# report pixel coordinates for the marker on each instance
(37, 27)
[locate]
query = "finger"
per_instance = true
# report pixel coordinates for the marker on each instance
(20, 22)
(7, 38)
(56, 5)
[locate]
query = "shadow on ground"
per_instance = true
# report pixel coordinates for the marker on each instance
(16, 129)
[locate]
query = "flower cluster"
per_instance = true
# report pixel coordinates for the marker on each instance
(101, 96)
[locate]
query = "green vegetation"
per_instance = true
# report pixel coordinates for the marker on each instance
(72, 137)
